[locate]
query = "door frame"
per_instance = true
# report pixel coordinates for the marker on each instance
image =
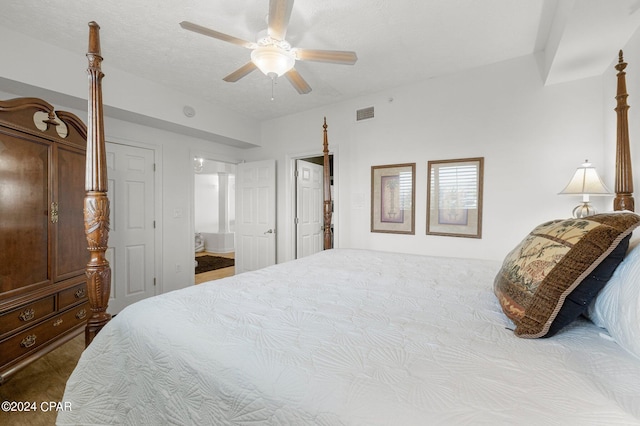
(157, 176)
(208, 155)
(290, 199)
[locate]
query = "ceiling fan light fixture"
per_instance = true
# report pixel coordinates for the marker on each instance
(272, 54)
(272, 60)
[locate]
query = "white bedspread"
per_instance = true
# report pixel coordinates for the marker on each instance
(376, 339)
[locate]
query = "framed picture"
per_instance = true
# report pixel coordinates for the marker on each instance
(393, 198)
(454, 197)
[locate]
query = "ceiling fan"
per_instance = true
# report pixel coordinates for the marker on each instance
(271, 53)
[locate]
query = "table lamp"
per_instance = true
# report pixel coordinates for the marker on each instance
(585, 182)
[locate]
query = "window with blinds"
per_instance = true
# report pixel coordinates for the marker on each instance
(457, 186)
(405, 179)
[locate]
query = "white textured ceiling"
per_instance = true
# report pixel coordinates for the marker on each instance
(397, 41)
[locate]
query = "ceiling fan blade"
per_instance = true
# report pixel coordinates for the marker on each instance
(216, 34)
(298, 82)
(333, 56)
(279, 15)
(240, 72)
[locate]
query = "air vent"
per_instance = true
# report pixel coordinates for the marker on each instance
(364, 114)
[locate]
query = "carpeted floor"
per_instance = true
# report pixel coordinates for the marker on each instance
(43, 381)
(210, 263)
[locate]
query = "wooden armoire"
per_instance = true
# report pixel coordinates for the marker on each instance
(43, 248)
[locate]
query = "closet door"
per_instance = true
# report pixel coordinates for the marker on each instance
(25, 171)
(69, 241)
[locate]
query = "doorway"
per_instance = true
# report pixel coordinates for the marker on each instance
(214, 219)
(309, 205)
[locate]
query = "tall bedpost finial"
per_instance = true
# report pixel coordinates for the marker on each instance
(96, 203)
(624, 181)
(328, 205)
(94, 38)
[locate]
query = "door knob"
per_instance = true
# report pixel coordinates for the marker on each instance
(270, 231)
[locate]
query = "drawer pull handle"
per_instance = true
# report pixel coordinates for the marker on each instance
(28, 341)
(58, 322)
(80, 293)
(81, 314)
(27, 314)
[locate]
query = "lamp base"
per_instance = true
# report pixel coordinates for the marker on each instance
(583, 210)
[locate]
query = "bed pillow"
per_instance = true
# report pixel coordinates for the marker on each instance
(550, 278)
(617, 307)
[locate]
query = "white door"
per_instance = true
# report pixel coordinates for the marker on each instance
(309, 208)
(255, 215)
(131, 250)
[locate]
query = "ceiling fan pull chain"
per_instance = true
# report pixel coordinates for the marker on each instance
(273, 82)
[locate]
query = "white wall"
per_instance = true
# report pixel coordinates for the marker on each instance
(123, 93)
(130, 99)
(207, 202)
(174, 194)
(532, 138)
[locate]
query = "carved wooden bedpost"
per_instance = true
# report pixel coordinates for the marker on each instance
(624, 180)
(327, 191)
(96, 203)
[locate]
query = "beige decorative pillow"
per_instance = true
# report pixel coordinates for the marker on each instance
(550, 278)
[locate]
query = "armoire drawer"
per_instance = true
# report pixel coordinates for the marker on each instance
(26, 314)
(32, 338)
(72, 296)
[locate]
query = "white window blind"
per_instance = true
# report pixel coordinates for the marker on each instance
(405, 190)
(459, 183)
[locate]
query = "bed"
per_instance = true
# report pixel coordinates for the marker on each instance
(372, 341)
(383, 338)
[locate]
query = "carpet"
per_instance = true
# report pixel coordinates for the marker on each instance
(210, 263)
(41, 381)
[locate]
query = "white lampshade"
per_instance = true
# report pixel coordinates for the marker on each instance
(272, 60)
(586, 181)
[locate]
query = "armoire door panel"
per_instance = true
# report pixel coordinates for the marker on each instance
(71, 244)
(24, 215)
